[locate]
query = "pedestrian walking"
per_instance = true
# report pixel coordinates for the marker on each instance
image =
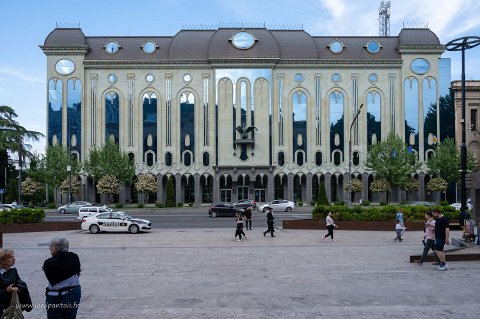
(399, 229)
(10, 281)
(62, 270)
(239, 227)
(442, 237)
(248, 218)
(270, 223)
(399, 216)
(428, 238)
(330, 226)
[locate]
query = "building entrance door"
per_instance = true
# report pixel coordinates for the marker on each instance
(260, 195)
(225, 195)
(242, 192)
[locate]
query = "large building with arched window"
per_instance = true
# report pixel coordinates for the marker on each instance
(233, 113)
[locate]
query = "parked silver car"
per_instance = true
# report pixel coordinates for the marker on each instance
(279, 205)
(73, 207)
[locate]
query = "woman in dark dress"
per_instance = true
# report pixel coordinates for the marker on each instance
(10, 281)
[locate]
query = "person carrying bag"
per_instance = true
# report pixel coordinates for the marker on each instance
(14, 311)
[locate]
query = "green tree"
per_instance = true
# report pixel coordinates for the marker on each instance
(170, 194)
(108, 185)
(146, 184)
(446, 162)
(391, 161)
(322, 195)
(110, 160)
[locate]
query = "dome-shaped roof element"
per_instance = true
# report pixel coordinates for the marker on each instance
(65, 37)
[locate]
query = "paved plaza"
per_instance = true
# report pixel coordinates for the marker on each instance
(203, 273)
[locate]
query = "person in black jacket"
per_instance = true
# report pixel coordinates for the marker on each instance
(62, 271)
(270, 223)
(248, 217)
(10, 281)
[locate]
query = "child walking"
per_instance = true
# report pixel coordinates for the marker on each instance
(399, 229)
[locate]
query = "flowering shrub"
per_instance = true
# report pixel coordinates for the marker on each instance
(75, 186)
(380, 185)
(437, 184)
(146, 184)
(357, 186)
(108, 184)
(410, 185)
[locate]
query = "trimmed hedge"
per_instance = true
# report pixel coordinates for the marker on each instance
(22, 216)
(385, 213)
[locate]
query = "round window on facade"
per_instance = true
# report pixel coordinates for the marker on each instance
(65, 67)
(281, 158)
(318, 158)
(149, 47)
(373, 77)
(112, 47)
(373, 46)
(299, 78)
(168, 159)
(112, 78)
(187, 78)
(336, 77)
(336, 47)
(243, 40)
(420, 66)
(149, 78)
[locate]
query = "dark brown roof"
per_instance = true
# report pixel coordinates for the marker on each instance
(215, 45)
(418, 37)
(65, 37)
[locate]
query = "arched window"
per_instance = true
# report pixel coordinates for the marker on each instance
(168, 159)
(187, 158)
(374, 127)
(356, 158)
(112, 116)
(429, 113)
(74, 113)
(243, 103)
(131, 158)
(187, 122)
(299, 119)
(337, 158)
(336, 121)
(300, 158)
(318, 158)
(150, 158)
(150, 122)
(55, 111)
(411, 112)
(281, 158)
(206, 159)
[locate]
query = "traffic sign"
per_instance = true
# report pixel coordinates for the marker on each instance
(2, 190)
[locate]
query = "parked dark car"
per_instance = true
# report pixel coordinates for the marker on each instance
(245, 203)
(223, 210)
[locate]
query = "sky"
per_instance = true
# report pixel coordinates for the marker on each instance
(24, 25)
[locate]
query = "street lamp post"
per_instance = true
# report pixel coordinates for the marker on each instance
(350, 157)
(462, 44)
(69, 170)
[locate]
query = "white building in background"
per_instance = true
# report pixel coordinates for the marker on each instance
(233, 113)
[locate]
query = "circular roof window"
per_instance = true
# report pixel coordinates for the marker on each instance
(336, 78)
(243, 40)
(336, 46)
(299, 78)
(65, 67)
(149, 78)
(373, 77)
(149, 47)
(112, 47)
(420, 66)
(112, 78)
(373, 46)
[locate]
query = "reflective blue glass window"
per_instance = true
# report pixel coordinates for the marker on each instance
(429, 113)
(112, 116)
(336, 121)
(187, 122)
(411, 112)
(150, 122)
(74, 113)
(299, 119)
(374, 126)
(55, 111)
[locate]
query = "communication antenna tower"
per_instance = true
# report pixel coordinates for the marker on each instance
(384, 19)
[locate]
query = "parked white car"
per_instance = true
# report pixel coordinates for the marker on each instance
(88, 211)
(458, 205)
(278, 205)
(115, 222)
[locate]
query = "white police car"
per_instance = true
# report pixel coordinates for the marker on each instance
(115, 222)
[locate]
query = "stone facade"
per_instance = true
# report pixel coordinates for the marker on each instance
(229, 119)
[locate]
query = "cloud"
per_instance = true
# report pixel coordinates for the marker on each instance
(24, 76)
(336, 8)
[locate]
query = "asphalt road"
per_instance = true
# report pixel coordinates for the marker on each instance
(191, 217)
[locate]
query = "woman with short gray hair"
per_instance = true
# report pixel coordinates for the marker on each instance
(62, 271)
